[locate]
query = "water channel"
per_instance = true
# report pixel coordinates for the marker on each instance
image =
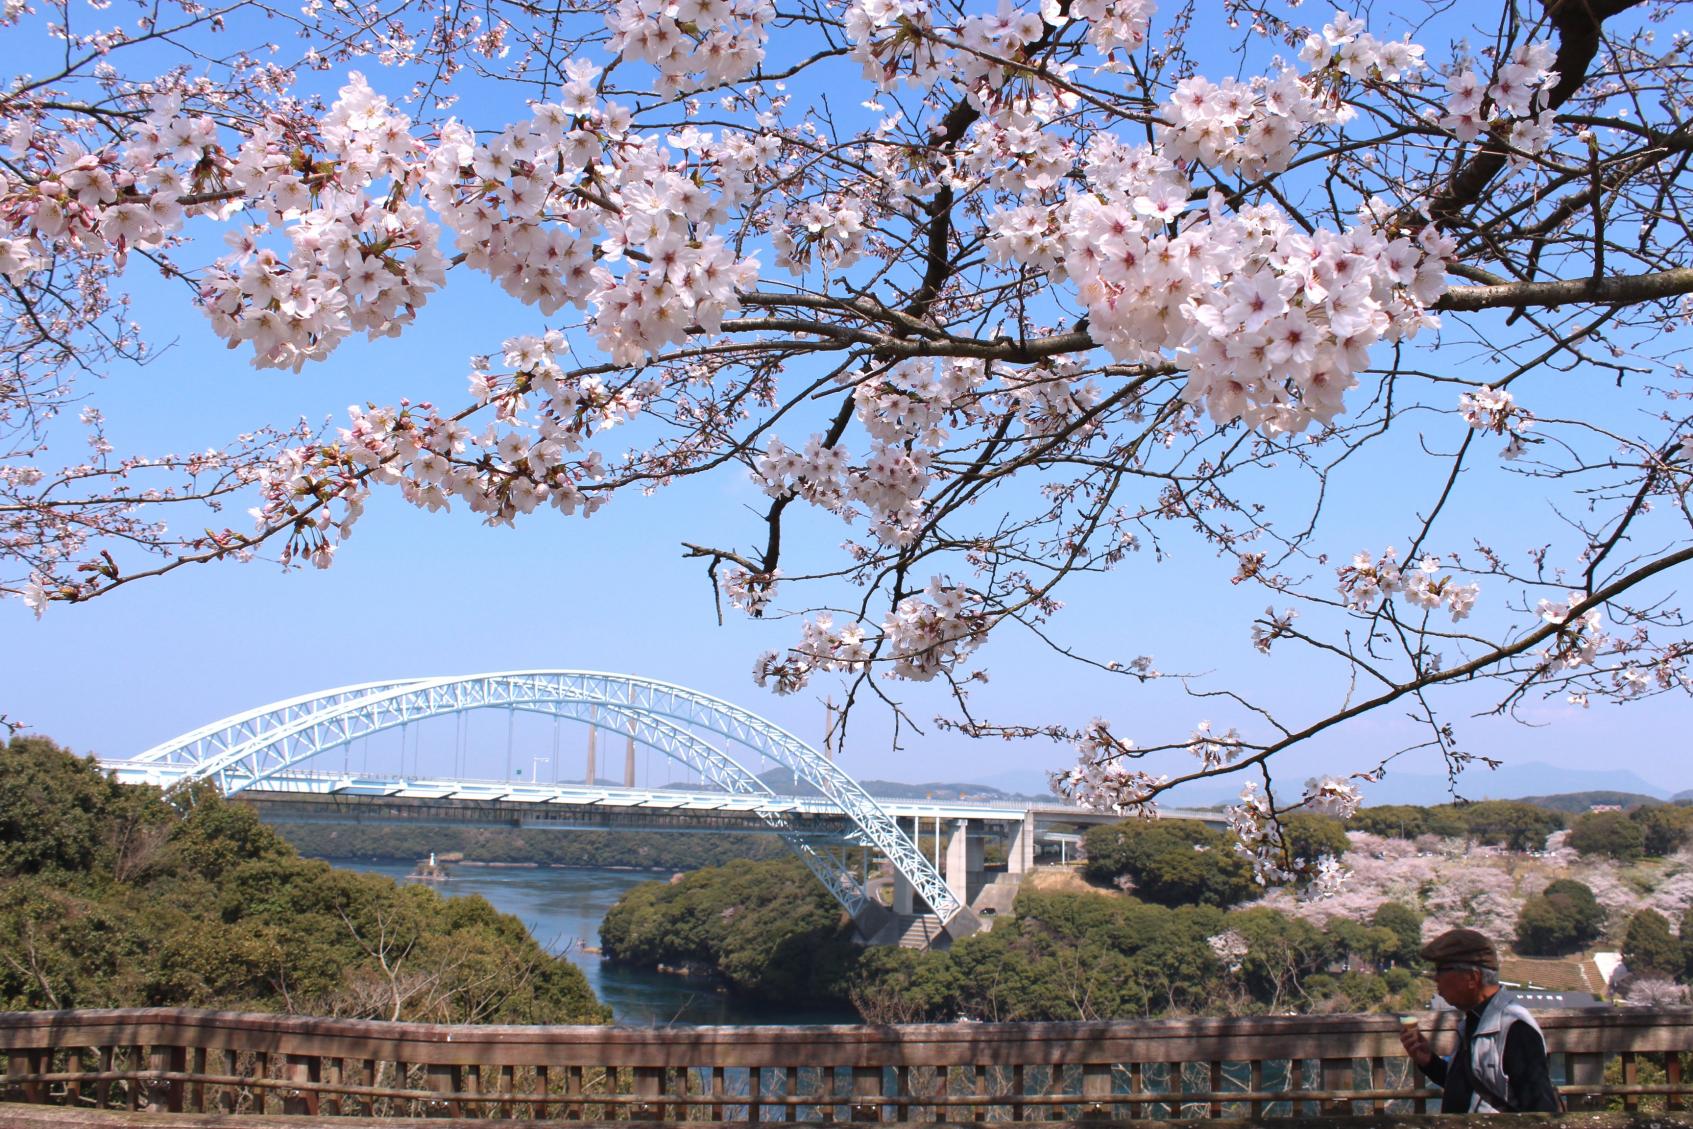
(563, 909)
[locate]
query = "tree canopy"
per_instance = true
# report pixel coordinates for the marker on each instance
(1560, 919)
(1171, 861)
(111, 897)
(1006, 294)
(1649, 948)
(1059, 955)
(1608, 833)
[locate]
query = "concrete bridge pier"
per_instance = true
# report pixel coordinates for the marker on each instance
(904, 895)
(963, 864)
(1020, 846)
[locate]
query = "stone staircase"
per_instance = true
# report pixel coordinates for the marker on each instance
(912, 931)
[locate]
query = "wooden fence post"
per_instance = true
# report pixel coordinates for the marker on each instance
(866, 1094)
(163, 1096)
(301, 1068)
(1096, 1090)
(1588, 1072)
(1337, 1075)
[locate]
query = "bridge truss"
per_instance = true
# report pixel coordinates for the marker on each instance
(261, 746)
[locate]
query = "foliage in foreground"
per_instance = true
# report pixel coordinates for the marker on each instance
(770, 930)
(111, 897)
(1108, 286)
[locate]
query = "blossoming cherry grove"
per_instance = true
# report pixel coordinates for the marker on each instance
(983, 298)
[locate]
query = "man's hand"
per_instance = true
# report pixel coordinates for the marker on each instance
(1411, 1037)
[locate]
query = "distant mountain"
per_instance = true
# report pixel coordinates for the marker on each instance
(1020, 782)
(1508, 782)
(1565, 789)
(782, 781)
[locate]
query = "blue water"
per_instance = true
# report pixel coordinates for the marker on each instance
(563, 909)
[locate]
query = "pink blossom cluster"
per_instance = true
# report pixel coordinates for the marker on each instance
(1368, 580)
(1258, 837)
(905, 410)
(901, 40)
(932, 633)
(1578, 640)
(827, 233)
(1017, 149)
(750, 591)
(923, 636)
(888, 483)
(894, 41)
(1516, 92)
(1345, 45)
(519, 212)
(1249, 128)
(1112, 25)
(692, 44)
(1489, 894)
(1213, 749)
(1100, 780)
(1230, 949)
(987, 36)
(361, 257)
(1331, 796)
(92, 200)
(1495, 410)
(1272, 627)
(510, 467)
(1269, 322)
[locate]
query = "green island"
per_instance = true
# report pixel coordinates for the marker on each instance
(110, 896)
(472, 846)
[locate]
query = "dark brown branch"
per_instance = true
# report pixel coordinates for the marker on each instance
(1578, 23)
(1626, 290)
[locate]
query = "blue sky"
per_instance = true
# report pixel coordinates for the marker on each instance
(418, 594)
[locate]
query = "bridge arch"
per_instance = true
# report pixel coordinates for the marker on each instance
(246, 749)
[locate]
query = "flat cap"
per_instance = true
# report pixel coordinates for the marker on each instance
(1461, 946)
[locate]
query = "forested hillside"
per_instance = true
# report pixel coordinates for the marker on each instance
(111, 897)
(638, 849)
(1173, 922)
(770, 929)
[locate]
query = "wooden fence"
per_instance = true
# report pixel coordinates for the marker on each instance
(172, 1060)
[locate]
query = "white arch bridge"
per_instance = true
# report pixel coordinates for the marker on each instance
(265, 753)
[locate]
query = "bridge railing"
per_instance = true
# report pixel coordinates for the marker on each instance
(169, 1060)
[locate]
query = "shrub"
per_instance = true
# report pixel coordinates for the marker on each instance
(1311, 836)
(1406, 925)
(1170, 862)
(1649, 948)
(1664, 827)
(1608, 833)
(1519, 826)
(1561, 919)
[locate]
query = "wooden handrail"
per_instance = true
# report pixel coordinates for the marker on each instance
(175, 1059)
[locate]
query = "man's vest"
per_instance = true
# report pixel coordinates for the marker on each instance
(1487, 1049)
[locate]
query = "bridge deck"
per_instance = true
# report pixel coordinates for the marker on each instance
(306, 782)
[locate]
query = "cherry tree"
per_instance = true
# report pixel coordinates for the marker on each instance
(1008, 294)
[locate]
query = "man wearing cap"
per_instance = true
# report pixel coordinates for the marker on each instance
(1499, 1065)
